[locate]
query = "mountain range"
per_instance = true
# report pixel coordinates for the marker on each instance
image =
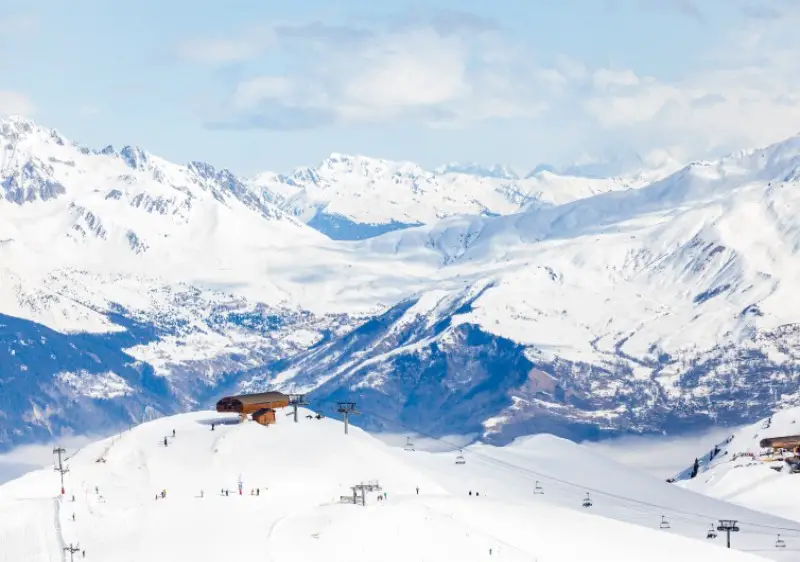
(453, 300)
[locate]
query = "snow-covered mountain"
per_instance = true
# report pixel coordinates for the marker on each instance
(518, 503)
(129, 284)
(662, 308)
(356, 197)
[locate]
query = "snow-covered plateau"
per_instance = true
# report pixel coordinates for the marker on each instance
(178, 488)
(460, 300)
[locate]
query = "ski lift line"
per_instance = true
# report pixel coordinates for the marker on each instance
(693, 515)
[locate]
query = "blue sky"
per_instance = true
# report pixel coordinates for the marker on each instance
(254, 85)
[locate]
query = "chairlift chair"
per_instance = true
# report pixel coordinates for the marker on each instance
(587, 501)
(538, 488)
(712, 533)
(409, 445)
(780, 543)
(664, 523)
(460, 458)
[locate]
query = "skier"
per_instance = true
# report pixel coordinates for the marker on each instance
(212, 427)
(477, 494)
(201, 493)
(73, 517)
(258, 491)
(470, 492)
(165, 441)
(83, 553)
(490, 552)
(173, 433)
(417, 490)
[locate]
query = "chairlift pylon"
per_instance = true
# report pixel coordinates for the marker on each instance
(780, 543)
(409, 445)
(460, 458)
(538, 489)
(587, 501)
(664, 523)
(712, 533)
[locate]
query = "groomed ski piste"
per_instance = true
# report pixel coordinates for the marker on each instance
(744, 473)
(293, 477)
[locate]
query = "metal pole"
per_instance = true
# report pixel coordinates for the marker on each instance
(345, 423)
(60, 468)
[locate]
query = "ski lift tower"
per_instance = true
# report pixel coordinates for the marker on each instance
(347, 409)
(61, 469)
(72, 549)
(296, 400)
(728, 526)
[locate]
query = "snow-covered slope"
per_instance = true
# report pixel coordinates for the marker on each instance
(301, 471)
(743, 472)
(356, 197)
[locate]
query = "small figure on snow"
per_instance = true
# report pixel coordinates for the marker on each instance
(201, 493)
(212, 427)
(417, 490)
(173, 433)
(258, 491)
(165, 441)
(470, 492)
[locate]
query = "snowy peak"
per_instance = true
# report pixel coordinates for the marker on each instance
(354, 197)
(127, 200)
(497, 171)
(17, 129)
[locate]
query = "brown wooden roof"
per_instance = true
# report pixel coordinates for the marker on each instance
(260, 397)
(785, 442)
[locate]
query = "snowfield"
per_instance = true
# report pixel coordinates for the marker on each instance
(301, 471)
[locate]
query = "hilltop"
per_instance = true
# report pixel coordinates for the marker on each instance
(301, 471)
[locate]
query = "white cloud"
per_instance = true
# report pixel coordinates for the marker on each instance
(250, 93)
(89, 110)
(455, 70)
(446, 70)
(225, 50)
(661, 456)
(15, 103)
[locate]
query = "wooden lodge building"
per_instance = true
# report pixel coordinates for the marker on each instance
(260, 406)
